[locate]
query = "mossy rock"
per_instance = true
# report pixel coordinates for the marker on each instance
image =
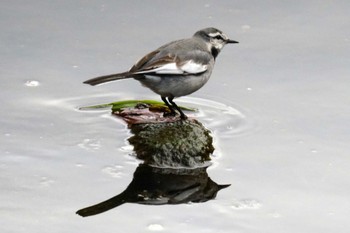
(184, 143)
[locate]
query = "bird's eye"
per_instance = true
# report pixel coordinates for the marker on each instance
(218, 37)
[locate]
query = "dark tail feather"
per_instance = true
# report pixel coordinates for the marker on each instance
(103, 206)
(107, 78)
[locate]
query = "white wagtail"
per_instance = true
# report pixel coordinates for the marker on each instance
(176, 69)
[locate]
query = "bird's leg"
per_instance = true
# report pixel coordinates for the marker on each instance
(172, 111)
(182, 115)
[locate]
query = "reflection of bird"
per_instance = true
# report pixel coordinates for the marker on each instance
(157, 186)
(176, 69)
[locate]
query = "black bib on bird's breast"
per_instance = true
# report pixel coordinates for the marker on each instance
(214, 52)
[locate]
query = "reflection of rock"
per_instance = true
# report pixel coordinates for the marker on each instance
(173, 144)
(157, 186)
(174, 153)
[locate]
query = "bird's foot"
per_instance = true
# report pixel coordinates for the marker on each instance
(183, 116)
(169, 114)
(173, 114)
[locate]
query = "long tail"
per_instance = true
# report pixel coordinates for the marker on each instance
(103, 206)
(108, 78)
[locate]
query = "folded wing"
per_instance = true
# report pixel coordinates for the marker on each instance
(189, 62)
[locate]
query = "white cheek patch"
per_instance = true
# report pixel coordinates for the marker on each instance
(193, 68)
(219, 46)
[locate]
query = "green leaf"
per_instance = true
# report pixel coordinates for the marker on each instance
(117, 106)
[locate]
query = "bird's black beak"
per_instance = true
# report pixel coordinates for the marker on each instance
(231, 41)
(222, 186)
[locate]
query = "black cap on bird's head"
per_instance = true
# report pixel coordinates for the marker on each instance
(213, 34)
(214, 38)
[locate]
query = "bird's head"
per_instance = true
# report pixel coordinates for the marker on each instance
(214, 38)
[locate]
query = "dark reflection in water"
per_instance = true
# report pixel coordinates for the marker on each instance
(175, 155)
(159, 186)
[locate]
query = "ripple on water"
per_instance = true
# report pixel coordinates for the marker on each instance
(225, 120)
(246, 204)
(115, 171)
(155, 227)
(32, 83)
(90, 144)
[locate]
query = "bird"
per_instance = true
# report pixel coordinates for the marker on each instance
(175, 69)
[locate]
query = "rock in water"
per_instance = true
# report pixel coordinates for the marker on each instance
(172, 144)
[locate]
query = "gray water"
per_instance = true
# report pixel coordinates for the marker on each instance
(277, 105)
